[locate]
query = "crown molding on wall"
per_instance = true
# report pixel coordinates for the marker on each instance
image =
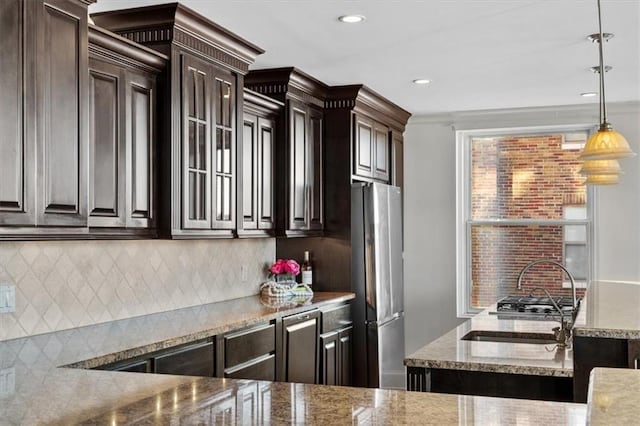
(534, 116)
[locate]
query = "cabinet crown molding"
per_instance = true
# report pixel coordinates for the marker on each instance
(175, 23)
(110, 46)
(360, 98)
(282, 83)
(258, 103)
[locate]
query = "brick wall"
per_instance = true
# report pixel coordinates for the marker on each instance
(520, 178)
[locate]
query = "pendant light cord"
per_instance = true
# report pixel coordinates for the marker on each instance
(603, 105)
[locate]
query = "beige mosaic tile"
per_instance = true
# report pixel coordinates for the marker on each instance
(65, 284)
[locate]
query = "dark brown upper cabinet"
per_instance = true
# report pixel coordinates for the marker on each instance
(43, 81)
(370, 149)
(256, 182)
(122, 133)
(200, 115)
(299, 148)
(376, 132)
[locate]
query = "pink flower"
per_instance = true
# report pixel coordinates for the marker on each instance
(285, 266)
(291, 267)
(278, 267)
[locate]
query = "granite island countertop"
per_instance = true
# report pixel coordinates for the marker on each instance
(611, 310)
(35, 390)
(613, 396)
(450, 352)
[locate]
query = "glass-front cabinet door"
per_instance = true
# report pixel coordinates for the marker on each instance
(196, 147)
(225, 151)
(208, 148)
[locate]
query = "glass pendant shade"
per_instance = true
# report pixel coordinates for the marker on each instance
(606, 144)
(602, 179)
(600, 167)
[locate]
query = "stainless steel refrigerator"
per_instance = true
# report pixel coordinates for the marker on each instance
(377, 280)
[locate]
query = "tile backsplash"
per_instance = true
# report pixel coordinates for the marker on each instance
(66, 284)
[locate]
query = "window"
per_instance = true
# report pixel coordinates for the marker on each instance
(520, 198)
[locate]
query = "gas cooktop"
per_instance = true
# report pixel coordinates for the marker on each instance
(534, 305)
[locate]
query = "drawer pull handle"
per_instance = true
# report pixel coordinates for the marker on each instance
(304, 317)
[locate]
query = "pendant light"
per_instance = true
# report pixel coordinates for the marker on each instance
(606, 143)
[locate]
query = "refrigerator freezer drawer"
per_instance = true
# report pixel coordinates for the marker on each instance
(385, 345)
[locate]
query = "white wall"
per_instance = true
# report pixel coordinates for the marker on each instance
(430, 209)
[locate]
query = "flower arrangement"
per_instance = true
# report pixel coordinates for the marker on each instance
(283, 272)
(284, 267)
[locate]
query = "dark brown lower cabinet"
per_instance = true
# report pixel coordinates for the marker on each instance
(288, 349)
(591, 352)
(263, 368)
(192, 360)
(142, 366)
(484, 383)
(329, 359)
(336, 357)
(300, 347)
(249, 353)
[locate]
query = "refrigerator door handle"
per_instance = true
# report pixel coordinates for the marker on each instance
(386, 320)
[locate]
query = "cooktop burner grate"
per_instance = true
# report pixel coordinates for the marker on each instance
(533, 304)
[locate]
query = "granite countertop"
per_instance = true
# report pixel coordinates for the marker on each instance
(34, 390)
(450, 352)
(613, 396)
(610, 310)
(98, 397)
(92, 346)
(27, 363)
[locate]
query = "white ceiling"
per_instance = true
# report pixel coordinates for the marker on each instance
(480, 54)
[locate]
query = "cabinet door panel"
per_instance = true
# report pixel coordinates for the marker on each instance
(262, 369)
(249, 178)
(315, 171)
(140, 147)
(245, 345)
(345, 343)
(381, 154)
(196, 144)
(266, 139)
(62, 53)
(363, 150)
(329, 372)
(136, 367)
(16, 157)
(298, 182)
(195, 360)
(300, 347)
(397, 159)
(105, 183)
(224, 193)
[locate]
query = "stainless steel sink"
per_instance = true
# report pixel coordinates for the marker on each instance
(510, 337)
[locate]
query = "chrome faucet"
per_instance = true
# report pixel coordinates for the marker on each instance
(574, 299)
(562, 333)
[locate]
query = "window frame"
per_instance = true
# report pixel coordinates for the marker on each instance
(463, 207)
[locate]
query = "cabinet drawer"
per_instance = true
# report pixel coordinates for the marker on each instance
(193, 360)
(135, 367)
(336, 318)
(261, 369)
(245, 345)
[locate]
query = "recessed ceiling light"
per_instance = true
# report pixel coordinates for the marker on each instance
(351, 19)
(422, 81)
(589, 94)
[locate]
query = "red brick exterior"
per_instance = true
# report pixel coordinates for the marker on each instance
(528, 177)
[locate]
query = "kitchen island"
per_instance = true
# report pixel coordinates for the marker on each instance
(606, 334)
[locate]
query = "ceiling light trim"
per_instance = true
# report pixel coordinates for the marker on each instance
(352, 19)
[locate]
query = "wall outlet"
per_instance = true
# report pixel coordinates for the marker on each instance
(7, 382)
(244, 273)
(7, 298)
